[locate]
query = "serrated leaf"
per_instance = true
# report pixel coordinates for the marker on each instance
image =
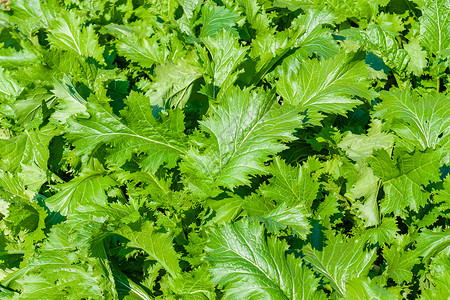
(420, 122)
(341, 260)
(249, 266)
(226, 55)
(431, 242)
(362, 289)
(215, 19)
(157, 245)
(403, 181)
(435, 26)
(244, 131)
(86, 189)
(145, 51)
(284, 216)
(292, 185)
(400, 263)
(161, 140)
(28, 148)
(68, 33)
(327, 86)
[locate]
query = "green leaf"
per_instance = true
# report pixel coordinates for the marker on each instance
(418, 57)
(248, 266)
(400, 263)
(435, 26)
(244, 131)
(70, 102)
(145, 51)
(161, 140)
(362, 289)
(419, 122)
(432, 242)
(226, 55)
(283, 216)
(29, 110)
(28, 148)
(359, 147)
(341, 260)
(327, 86)
(443, 196)
(403, 181)
(86, 189)
(292, 185)
(9, 87)
(215, 19)
(173, 83)
(440, 274)
(157, 245)
(68, 33)
(382, 43)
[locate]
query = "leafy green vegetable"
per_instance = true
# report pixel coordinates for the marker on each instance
(234, 149)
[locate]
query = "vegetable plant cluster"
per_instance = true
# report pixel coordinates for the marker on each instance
(224, 149)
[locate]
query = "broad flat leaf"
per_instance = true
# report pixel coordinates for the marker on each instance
(244, 130)
(435, 26)
(226, 55)
(157, 245)
(28, 148)
(327, 86)
(68, 33)
(341, 260)
(419, 122)
(215, 19)
(403, 180)
(86, 189)
(248, 266)
(161, 140)
(292, 185)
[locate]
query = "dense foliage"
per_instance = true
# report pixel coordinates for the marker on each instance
(224, 149)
